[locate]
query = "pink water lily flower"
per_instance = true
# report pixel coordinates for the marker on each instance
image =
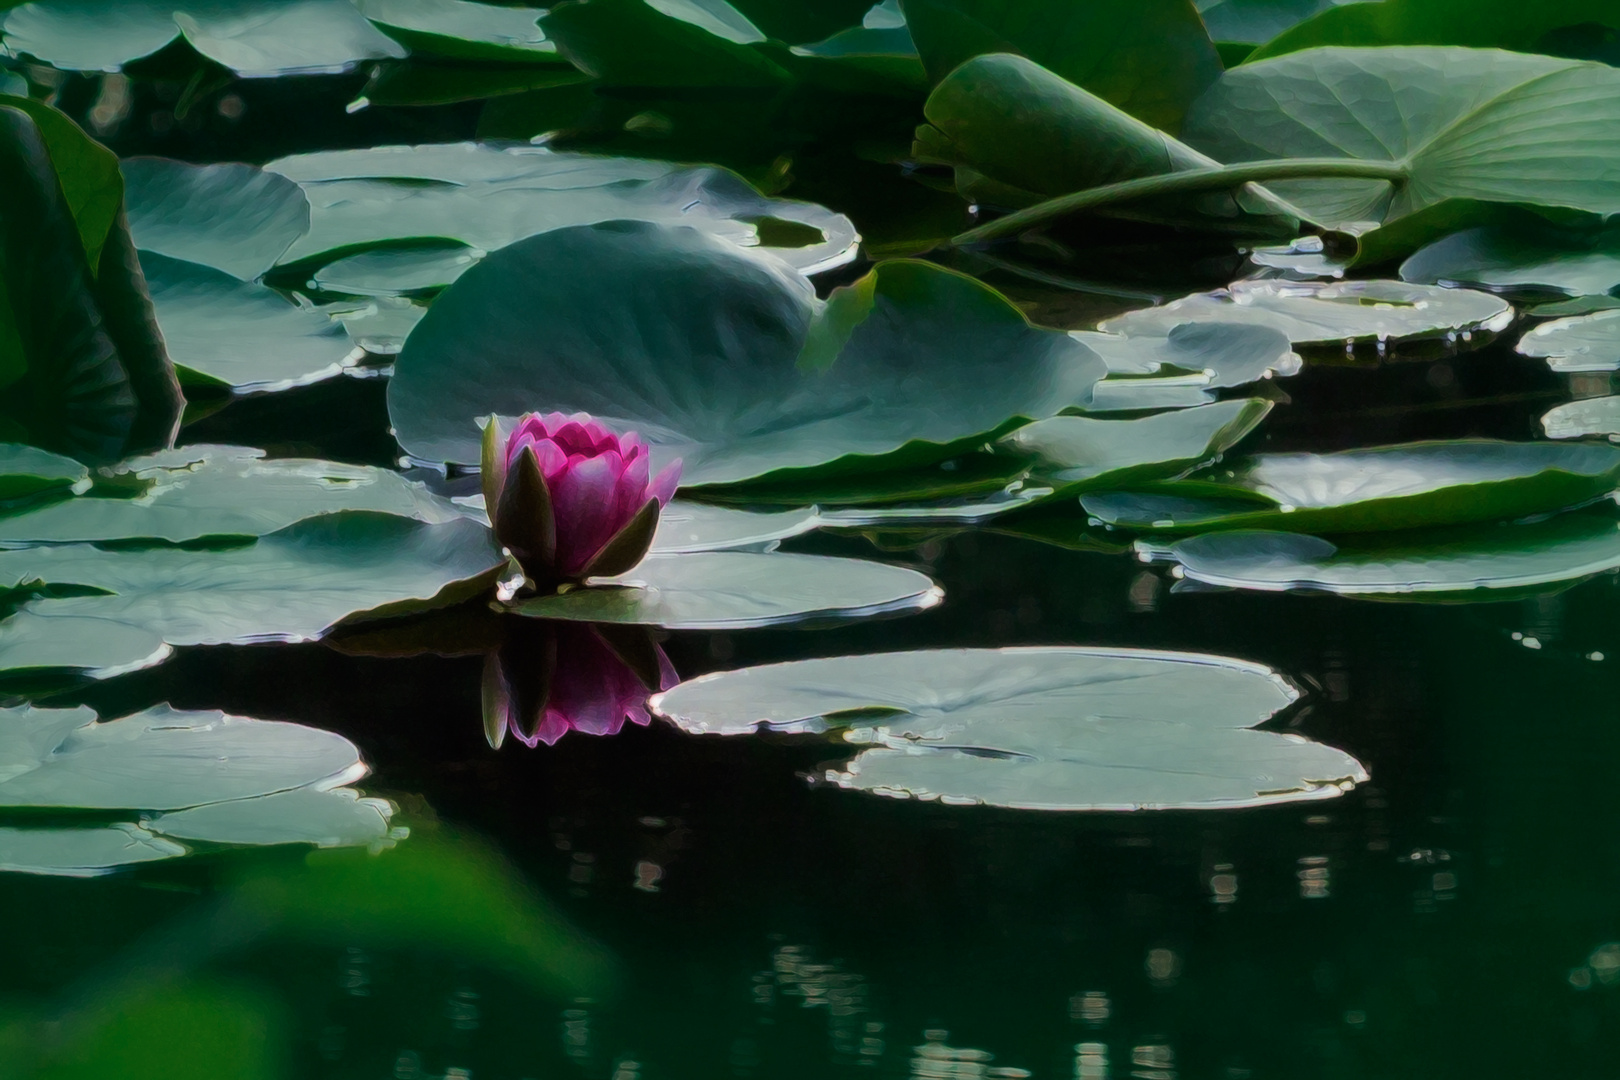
(569, 498)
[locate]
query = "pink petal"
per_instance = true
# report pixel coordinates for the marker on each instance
(553, 727)
(664, 484)
(582, 500)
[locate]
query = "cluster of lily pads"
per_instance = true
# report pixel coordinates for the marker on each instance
(640, 235)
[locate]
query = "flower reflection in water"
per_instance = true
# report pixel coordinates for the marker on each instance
(547, 679)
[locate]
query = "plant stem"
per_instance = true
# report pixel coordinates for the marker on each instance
(1189, 182)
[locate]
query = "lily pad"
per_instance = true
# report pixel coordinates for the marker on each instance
(1412, 485)
(1590, 416)
(463, 30)
(396, 271)
(1328, 313)
(1460, 564)
(253, 38)
(221, 491)
(1521, 258)
(488, 197)
(1035, 728)
(238, 334)
(1079, 453)
(324, 817)
(81, 852)
(292, 585)
(1138, 395)
(160, 759)
(1254, 21)
(729, 590)
(709, 353)
(1580, 343)
(27, 470)
(236, 218)
(1461, 127)
(1225, 354)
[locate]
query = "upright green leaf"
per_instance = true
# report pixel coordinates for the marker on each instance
(1150, 58)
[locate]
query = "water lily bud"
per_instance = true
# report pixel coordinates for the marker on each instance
(570, 499)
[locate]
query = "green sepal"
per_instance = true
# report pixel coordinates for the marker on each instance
(628, 546)
(497, 702)
(524, 522)
(492, 466)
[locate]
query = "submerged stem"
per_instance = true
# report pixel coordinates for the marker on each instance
(1189, 182)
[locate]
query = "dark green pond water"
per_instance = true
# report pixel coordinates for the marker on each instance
(1457, 916)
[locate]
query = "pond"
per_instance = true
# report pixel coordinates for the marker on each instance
(1064, 610)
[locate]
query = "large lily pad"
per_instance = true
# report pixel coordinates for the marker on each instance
(1579, 343)
(730, 590)
(160, 759)
(1413, 485)
(1151, 59)
(254, 38)
(240, 335)
(292, 585)
(236, 218)
(81, 852)
(698, 347)
(488, 197)
(1224, 354)
(1483, 563)
(1254, 21)
(221, 491)
(324, 817)
(462, 29)
(1329, 313)
(27, 470)
(1035, 728)
(686, 526)
(1079, 453)
(1522, 258)
(1462, 127)
(1589, 416)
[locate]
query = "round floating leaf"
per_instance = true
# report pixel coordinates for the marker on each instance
(1412, 485)
(81, 852)
(487, 198)
(292, 585)
(394, 271)
(381, 326)
(27, 470)
(698, 346)
(1463, 126)
(1035, 728)
(689, 526)
(239, 334)
(729, 590)
(1136, 395)
(1328, 313)
(960, 511)
(254, 38)
(332, 817)
(1226, 354)
(1522, 258)
(1078, 453)
(235, 218)
(160, 759)
(1580, 343)
(1461, 564)
(1591, 416)
(96, 647)
(463, 30)
(222, 491)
